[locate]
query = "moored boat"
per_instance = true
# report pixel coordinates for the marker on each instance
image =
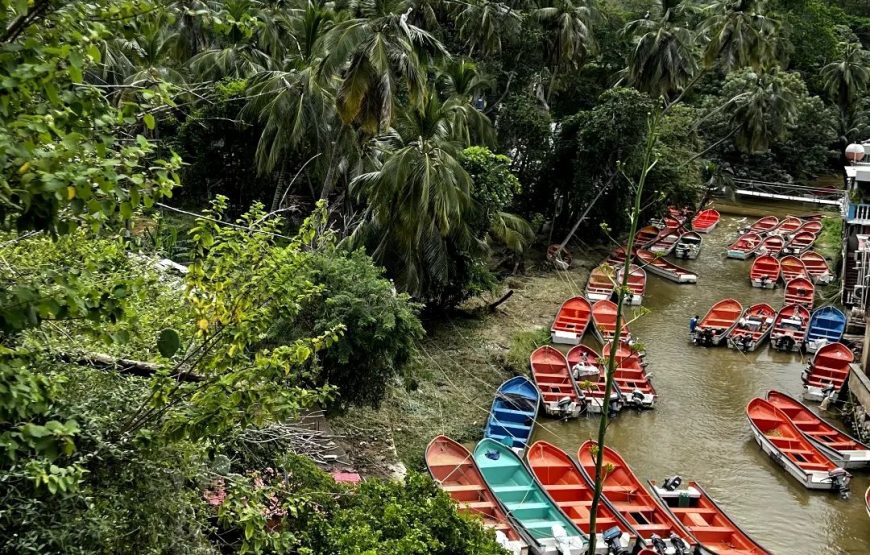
(827, 372)
(827, 325)
(763, 225)
(817, 267)
(688, 246)
(452, 467)
(589, 375)
(636, 283)
(513, 412)
(600, 285)
(571, 321)
(705, 221)
(753, 327)
(792, 268)
(630, 376)
(780, 438)
(787, 226)
(840, 447)
(552, 375)
(604, 320)
(790, 328)
(745, 246)
(714, 327)
(661, 267)
(524, 499)
(665, 242)
(772, 245)
(800, 242)
(800, 291)
(764, 272)
(867, 501)
(646, 235)
(812, 226)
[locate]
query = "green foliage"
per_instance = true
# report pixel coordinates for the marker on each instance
(524, 130)
(523, 343)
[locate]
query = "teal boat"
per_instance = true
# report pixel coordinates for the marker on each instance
(546, 527)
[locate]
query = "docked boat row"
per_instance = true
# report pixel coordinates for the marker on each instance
(769, 236)
(577, 315)
(786, 228)
(766, 270)
(603, 281)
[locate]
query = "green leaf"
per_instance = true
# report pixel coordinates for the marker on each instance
(149, 121)
(168, 342)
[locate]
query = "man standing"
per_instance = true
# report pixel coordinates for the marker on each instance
(693, 323)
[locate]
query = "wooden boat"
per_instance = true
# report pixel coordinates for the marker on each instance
(772, 245)
(589, 375)
(523, 498)
(604, 319)
(563, 481)
(513, 412)
(827, 372)
(636, 283)
(631, 376)
(780, 438)
(817, 267)
(661, 267)
(452, 467)
(571, 321)
(792, 268)
(624, 491)
(764, 272)
(600, 285)
(704, 519)
(827, 325)
(646, 235)
(688, 246)
(800, 291)
(745, 246)
(705, 221)
(788, 226)
(763, 225)
(790, 328)
(715, 326)
(665, 242)
(552, 375)
(753, 327)
(679, 214)
(673, 223)
(840, 447)
(800, 242)
(812, 226)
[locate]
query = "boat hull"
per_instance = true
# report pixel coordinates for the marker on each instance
(810, 480)
(739, 254)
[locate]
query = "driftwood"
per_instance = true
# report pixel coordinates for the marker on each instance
(122, 365)
(504, 298)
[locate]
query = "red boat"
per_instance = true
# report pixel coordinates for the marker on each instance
(630, 376)
(552, 375)
(617, 256)
(636, 283)
(646, 235)
(817, 267)
(764, 272)
(600, 285)
(661, 267)
(452, 466)
(715, 326)
(621, 487)
(673, 223)
(800, 242)
(840, 447)
(604, 318)
(665, 242)
(790, 328)
(590, 378)
(679, 214)
(745, 246)
(827, 372)
(764, 225)
(772, 245)
(788, 226)
(571, 321)
(792, 268)
(812, 226)
(753, 327)
(705, 221)
(800, 291)
(564, 483)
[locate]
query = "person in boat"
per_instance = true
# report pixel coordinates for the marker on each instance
(764, 280)
(741, 323)
(614, 297)
(693, 323)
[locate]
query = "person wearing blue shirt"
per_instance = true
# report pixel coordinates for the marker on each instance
(693, 323)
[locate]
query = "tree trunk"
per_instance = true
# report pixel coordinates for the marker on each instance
(279, 187)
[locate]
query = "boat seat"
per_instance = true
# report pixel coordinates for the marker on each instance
(526, 506)
(622, 489)
(461, 487)
(660, 529)
(510, 489)
(561, 487)
(712, 529)
(633, 508)
(689, 510)
(479, 505)
(813, 466)
(537, 524)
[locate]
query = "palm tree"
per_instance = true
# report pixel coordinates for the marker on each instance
(740, 34)
(847, 78)
(762, 112)
(568, 35)
(483, 25)
(462, 86)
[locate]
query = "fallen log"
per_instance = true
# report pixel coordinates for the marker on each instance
(122, 365)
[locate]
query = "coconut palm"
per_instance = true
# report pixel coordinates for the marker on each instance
(568, 35)
(483, 25)
(462, 86)
(848, 77)
(762, 113)
(739, 34)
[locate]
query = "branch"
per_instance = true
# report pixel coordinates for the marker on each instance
(125, 366)
(20, 23)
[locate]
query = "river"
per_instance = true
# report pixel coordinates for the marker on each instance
(699, 429)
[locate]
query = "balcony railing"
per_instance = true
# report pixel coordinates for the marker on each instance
(859, 214)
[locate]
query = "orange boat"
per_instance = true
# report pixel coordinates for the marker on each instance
(800, 291)
(827, 372)
(715, 326)
(763, 225)
(745, 246)
(589, 376)
(817, 267)
(627, 495)
(764, 272)
(752, 328)
(665, 241)
(800, 242)
(630, 376)
(604, 318)
(636, 283)
(840, 447)
(790, 328)
(571, 321)
(792, 268)
(661, 267)
(600, 285)
(646, 235)
(452, 466)
(705, 221)
(564, 483)
(780, 438)
(812, 226)
(788, 226)
(617, 256)
(552, 375)
(772, 245)
(704, 519)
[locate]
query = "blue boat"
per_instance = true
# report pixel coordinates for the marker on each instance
(547, 528)
(513, 412)
(827, 325)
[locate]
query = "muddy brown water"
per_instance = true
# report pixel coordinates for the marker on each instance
(699, 429)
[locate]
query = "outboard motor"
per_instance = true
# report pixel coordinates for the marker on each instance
(672, 483)
(564, 403)
(840, 480)
(680, 547)
(637, 397)
(611, 538)
(658, 544)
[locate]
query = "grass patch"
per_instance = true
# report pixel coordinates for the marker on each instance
(522, 344)
(830, 241)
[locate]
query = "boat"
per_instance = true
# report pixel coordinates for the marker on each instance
(552, 375)
(688, 246)
(661, 267)
(616, 256)
(827, 325)
(764, 272)
(714, 327)
(799, 243)
(704, 518)
(787, 226)
(550, 531)
(745, 246)
(866, 501)
(604, 319)
(673, 223)
(665, 242)
(679, 214)
(705, 221)
(625, 492)
(630, 376)
(513, 412)
(563, 481)
(817, 267)
(753, 327)
(590, 377)
(827, 372)
(792, 268)
(790, 328)
(571, 321)
(600, 285)
(772, 245)
(840, 447)
(800, 291)
(763, 225)
(646, 235)
(452, 467)
(780, 438)
(636, 283)
(812, 226)
(810, 217)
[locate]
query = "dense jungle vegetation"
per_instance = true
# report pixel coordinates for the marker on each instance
(349, 165)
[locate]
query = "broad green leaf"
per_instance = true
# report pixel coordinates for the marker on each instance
(168, 342)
